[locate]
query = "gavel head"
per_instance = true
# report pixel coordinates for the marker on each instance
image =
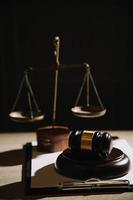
(99, 144)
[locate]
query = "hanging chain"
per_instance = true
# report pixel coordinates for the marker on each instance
(30, 105)
(86, 79)
(18, 95)
(87, 85)
(81, 89)
(31, 92)
(96, 92)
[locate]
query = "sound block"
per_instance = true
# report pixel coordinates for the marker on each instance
(85, 166)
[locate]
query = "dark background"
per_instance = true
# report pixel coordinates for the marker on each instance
(97, 32)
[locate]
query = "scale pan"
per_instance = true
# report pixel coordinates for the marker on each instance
(24, 117)
(88, 111)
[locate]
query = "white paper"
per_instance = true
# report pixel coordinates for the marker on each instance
(44, 174)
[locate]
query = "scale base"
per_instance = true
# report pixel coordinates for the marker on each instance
(79, 166)
(52, 138)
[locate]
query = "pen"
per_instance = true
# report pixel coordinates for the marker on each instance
(88, 185)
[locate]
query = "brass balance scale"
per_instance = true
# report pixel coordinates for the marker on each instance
(46, 134)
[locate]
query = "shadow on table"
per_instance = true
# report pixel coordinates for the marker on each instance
(12, 191)
(15, 191)
(12, 157)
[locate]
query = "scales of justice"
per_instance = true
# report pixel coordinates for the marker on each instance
(54, 137)
(33, 113)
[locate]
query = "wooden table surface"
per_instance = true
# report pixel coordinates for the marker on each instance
(11, 159)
